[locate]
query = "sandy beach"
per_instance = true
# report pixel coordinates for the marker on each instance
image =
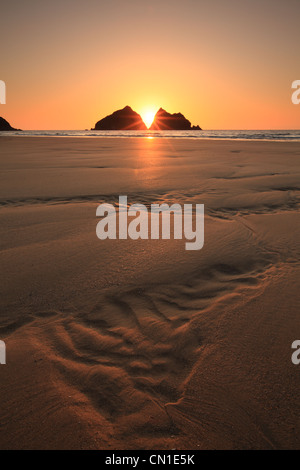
(123, 344)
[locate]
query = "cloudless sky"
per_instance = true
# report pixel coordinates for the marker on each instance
(225, 64)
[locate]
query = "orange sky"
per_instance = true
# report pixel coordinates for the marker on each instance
(224, 64)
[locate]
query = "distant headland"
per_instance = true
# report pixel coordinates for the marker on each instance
(127, 119)
(5, 126)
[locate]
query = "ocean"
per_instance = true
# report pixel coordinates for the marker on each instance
(269, 135)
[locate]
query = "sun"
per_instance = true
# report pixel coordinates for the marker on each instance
(148, 115)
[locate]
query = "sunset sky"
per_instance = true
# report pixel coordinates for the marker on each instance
(223, 64)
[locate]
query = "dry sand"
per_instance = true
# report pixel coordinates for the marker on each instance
(141, 344)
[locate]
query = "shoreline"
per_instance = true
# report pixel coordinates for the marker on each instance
(160, 135)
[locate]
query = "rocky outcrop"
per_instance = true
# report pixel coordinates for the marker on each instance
(5, 126)
(165, 121)
(122, 120)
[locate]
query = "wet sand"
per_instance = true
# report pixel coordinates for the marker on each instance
(123, 344)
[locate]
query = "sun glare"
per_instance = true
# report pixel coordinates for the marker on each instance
(148, 116)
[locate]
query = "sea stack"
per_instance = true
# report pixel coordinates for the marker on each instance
(165, 121)
(122, 120)
(5, 126)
